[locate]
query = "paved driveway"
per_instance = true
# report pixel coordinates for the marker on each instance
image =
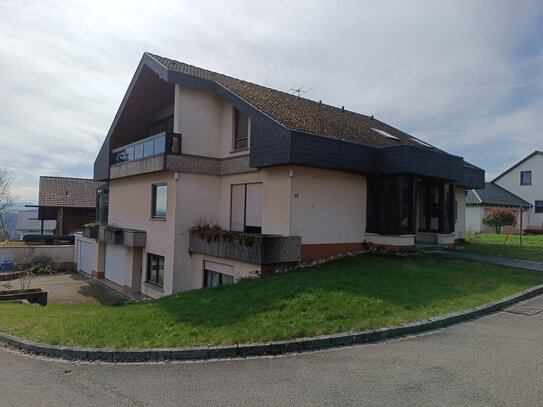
(73, 288)
(496, 361)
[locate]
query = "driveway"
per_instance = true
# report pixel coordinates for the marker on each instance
(73, 288)
(495, 361)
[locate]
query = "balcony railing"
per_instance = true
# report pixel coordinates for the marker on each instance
(159, 144)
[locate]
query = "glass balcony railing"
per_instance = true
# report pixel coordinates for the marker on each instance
(159, 144)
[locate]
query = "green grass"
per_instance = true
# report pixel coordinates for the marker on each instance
(492, 244)
(348, 294)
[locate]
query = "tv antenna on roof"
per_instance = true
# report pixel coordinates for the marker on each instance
(299, 90)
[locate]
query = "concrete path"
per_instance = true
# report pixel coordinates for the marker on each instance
(496, 361)
(502, 261)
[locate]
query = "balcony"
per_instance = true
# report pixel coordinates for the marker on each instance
(143, 156)
(247, 247)
(122, 236)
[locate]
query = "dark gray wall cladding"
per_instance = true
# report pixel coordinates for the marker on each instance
(322, 152)
(474, 178)
(420, 161)
(101, 164)
(270, 144)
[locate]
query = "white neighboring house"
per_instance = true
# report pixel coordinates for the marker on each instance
(525, 179)
(29, 224)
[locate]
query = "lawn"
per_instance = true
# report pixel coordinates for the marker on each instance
(531, 249)
(352, 293)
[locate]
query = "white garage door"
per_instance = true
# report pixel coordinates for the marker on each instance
(84, 257)
(115, 264)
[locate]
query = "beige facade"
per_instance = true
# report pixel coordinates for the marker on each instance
(326, 208)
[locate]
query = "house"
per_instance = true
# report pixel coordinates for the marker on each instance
(29, 224)
(70, 202)
(525, 179)
(482, 202)
(291, 179)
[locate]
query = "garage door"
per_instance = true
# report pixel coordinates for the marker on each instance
(115, 264)
(84, 256)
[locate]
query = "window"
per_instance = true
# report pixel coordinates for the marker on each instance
(526, 178)
(216, 274)
(241, 130)
(538, 207)
(102, 204)
(155, 269)
(160, 194)
(246, 208)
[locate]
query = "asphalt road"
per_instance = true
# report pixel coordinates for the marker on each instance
(495, 361)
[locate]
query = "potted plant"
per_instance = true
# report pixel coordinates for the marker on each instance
(90, 230)
(114, 234)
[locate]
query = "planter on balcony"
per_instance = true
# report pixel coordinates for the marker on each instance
(246, 247)
(90, 232)
(127, 237)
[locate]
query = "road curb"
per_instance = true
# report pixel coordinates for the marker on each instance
(263, 349)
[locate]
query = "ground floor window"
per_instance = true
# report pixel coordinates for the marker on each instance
(216, 274)
(155, 269)
(538, 206)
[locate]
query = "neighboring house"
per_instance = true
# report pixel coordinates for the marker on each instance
(29, 224)
(482, 202)
(525, 179)
(70, 202)
(303, 180)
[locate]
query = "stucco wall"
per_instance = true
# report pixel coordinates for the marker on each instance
(205, 122)
(460, 224)
(530, 193)
(62, 256)
(130, 201)
(327, 206)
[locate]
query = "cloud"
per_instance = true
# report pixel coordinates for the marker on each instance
(466, 76)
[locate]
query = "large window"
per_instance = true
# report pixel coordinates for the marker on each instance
(246, 208)
(538, 207)
(160, 195)
(102, 204)
(216, 274)
(526, 178)
(241, 130)
(155, 269)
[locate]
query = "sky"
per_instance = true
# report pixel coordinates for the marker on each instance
(465, 76)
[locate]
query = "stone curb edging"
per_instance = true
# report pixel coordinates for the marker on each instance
(263, 349)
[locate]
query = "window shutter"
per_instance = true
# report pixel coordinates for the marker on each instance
(218, 267)
(237, 214)
(253, 211)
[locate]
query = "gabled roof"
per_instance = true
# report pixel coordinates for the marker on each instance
(300, 114)
(62, 192)
(493, 195)
(536, 152)
(28, 220)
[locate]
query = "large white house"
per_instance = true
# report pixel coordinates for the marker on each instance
(525, 179)
(286, 179)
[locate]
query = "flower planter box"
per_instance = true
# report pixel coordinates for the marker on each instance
(127, 237)
(90, 233)
(32, 295)
(250, 248)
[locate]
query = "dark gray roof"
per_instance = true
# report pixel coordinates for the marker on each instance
(28, 220)
(63, 192)
(536, 152)
(493, 195)
(301, 114)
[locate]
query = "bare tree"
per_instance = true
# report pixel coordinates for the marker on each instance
(7, 199)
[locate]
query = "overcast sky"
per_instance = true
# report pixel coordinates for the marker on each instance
(466, 76)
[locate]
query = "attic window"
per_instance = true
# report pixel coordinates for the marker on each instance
(385, 134)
